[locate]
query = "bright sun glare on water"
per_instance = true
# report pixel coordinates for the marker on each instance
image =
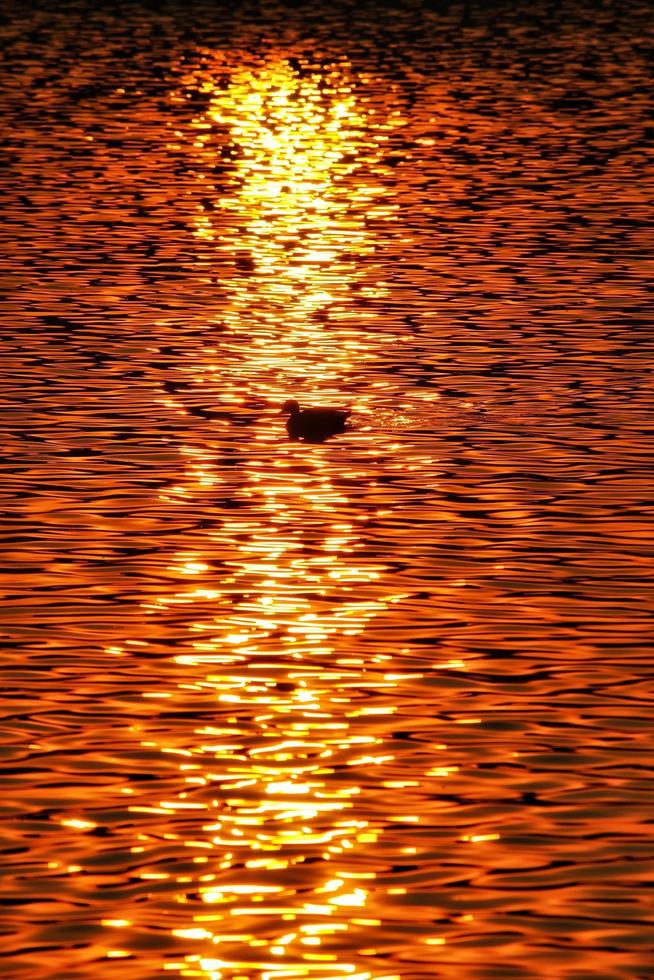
(294, 592)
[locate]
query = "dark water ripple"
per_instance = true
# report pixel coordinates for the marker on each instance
(380, 708)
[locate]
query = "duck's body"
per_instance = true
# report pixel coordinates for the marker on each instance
(313, 424)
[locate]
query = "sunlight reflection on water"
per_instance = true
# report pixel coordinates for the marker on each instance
(293, 588)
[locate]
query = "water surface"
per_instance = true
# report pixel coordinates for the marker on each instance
(379, 708)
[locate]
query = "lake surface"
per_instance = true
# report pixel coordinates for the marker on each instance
(373, 709)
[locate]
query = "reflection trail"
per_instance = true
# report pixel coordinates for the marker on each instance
(271, 788)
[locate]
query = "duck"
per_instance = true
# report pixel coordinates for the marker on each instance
(313, 424)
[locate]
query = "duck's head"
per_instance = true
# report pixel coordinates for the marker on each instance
(291, 407)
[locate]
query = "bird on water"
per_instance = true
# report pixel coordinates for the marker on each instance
(313, 424)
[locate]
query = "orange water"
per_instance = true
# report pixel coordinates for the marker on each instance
(380, 708)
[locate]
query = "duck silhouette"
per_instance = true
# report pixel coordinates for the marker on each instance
(313, 424)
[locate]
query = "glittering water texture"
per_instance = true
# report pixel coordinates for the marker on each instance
(378, 708)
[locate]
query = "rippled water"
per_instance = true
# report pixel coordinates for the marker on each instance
(379, 707)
